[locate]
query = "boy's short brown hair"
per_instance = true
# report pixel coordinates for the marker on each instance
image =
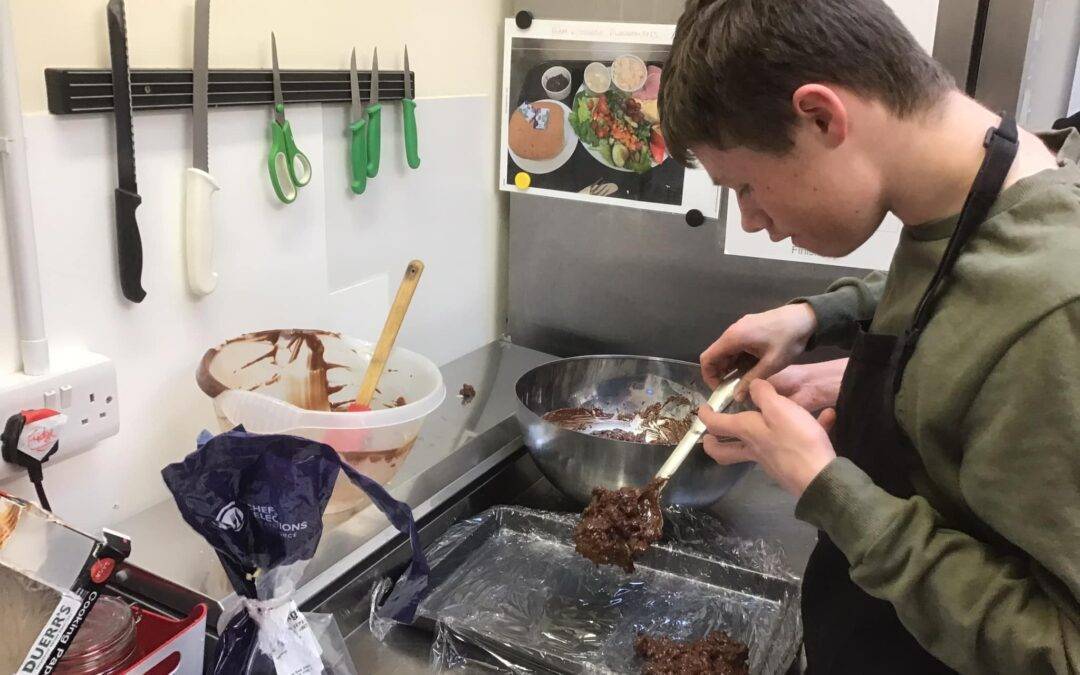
(735, 64)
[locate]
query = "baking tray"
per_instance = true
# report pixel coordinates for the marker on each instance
(509, 582)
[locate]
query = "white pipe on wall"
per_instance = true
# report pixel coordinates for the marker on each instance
(33, 346)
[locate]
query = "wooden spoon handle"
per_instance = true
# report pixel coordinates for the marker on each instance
(389, 332)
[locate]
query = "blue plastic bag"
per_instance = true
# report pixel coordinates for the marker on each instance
(258, 500)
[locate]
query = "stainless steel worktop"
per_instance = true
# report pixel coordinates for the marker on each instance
(467, 458)
(175, 568)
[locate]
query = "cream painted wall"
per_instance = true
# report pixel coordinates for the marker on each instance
(72, 33)
(453, 46)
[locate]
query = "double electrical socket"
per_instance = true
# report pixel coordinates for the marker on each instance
(81, 385)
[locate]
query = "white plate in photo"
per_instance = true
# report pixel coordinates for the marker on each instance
(570, 143)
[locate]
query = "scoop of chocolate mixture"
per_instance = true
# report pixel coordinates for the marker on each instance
(715, 654)
(619, 525)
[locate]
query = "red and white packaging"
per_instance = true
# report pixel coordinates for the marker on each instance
(41, 432)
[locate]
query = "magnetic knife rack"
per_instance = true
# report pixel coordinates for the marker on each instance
(73, 91)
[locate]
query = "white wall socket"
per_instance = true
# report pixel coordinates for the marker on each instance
(81, 385)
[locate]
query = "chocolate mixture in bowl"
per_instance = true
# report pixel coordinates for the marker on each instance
(576, 419)
(621, 435)
(619, 525)
(716, 653)
(662, 423)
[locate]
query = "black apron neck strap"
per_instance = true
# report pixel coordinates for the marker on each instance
(1001, 146)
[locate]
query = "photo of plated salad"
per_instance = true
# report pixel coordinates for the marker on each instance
(581, 118)
(621, 130)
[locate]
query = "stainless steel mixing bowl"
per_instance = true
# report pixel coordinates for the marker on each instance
(576, 462)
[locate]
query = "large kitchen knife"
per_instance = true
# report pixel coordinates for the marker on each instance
(128, 241)
(199, 185)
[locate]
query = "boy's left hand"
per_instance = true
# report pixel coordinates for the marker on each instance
(783, 438)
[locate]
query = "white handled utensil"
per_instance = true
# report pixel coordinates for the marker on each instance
(199, 230)
(721, 398)
(199, 185)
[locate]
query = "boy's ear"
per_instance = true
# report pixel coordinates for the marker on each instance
(823, 109)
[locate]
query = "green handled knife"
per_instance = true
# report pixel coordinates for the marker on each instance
(408, 112)
(373, 116)
(358, 153)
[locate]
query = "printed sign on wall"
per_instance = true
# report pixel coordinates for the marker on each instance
(581, 119)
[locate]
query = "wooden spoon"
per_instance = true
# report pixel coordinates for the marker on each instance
(388, 336)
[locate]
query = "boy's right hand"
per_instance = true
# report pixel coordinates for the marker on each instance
(775, 338)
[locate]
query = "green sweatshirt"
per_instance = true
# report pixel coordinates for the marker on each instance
(983, 564)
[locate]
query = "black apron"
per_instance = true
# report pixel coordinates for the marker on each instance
(845, 629)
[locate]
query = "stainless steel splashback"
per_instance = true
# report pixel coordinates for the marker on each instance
(588, 279)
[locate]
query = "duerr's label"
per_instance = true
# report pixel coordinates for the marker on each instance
(52, 636)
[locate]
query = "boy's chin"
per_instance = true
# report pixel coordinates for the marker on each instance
(832, 249)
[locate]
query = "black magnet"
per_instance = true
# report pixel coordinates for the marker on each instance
(695, 218)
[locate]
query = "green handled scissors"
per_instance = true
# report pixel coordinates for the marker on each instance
(285, 174)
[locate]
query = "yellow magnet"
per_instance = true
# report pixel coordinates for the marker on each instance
(522, 180)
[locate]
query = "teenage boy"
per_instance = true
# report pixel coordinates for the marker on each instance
(946, 484)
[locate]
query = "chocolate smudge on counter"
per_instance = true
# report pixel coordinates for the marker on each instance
(620, 525)
(467, 393)
(716, 653)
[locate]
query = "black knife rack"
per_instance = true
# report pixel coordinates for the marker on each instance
(73, 91)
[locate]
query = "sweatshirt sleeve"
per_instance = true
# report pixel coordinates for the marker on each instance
(846, 301)
(980, 608)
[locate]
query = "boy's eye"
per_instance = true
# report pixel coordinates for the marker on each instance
(745, 190)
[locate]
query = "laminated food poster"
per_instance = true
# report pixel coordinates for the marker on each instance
(581, 119)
